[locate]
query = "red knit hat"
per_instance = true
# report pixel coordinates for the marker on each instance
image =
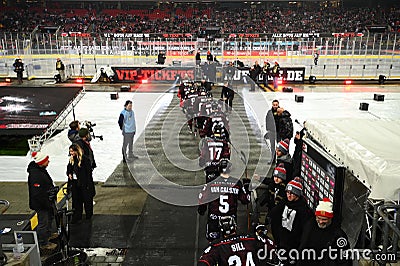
(40, 158)
(324, 208)
(295, 186)
(280, 172)
(283, 146)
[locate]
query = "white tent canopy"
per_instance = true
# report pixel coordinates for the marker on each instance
(369, 148)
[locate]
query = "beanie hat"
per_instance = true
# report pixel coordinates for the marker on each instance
(280, 172)
(83, 132)
(324, 208)
(295, 186)
(40, 158)
(283, 146)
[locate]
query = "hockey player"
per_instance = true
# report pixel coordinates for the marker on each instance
(217, 117)
(213, 150)
(188, 106)
(199, 108)
(221, 197)
(236, 249)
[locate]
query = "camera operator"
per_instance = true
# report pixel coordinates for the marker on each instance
(19, 69)
(161, 58)
(39, 185)
(84, 143)
(73, 132)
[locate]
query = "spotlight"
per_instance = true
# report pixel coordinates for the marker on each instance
(348, 82)
(8, 80)
(312, 79)
(144, 81)
(79, 80)
(382, 79)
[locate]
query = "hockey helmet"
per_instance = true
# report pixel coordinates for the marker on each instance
(218, 131)
(227, 224)
(225, 166)
(215, 106)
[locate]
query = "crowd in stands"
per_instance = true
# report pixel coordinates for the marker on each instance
(185, 18)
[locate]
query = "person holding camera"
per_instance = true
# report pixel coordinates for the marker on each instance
(127, 124)
(80, 180)
(61, 69)
(40, 184)
(84, 143)
(19, 69)
(73, 132)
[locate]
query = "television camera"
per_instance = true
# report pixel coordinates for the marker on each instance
(89, 125)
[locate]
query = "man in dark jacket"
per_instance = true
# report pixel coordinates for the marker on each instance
(272, 127)
(227, 95)
(285, 128)
(324, 237)
(39, 184)
(19, 69)
(84, 143)
(288, 219)
(73, 132)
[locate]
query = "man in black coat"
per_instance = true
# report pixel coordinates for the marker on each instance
(84, 143)
(227, 95)
(326, 238)
(39, 185)
(288, 219)
(272, 128)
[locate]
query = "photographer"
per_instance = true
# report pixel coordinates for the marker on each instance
(73, 132)
(161, 58)
(84, 143)
(39, 185)
(19, 69)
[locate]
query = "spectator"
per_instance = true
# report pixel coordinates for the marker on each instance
(285, 124)
(198, 58)
(275, 74)
(316, 57)
(80, 179)
(321, 235)
(127, 124)
(283, 156)
(275, 191)
(210, 57)
(288, 219)
(298, 140)
(161, 58)
(61, 69)
(266, 72)
(272, 128)
(39, 185)
(19, 69)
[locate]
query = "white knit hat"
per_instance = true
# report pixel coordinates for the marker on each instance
(324, 208)
(40, 158)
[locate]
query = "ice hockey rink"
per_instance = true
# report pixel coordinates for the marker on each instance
(166, 229)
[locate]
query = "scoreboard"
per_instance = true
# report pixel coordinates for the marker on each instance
(323, 177)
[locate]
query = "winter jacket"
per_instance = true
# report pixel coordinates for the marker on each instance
(285, 128)
(288, 165)
(87, 150)
(287, 232)
(39, 183)
(83, 174)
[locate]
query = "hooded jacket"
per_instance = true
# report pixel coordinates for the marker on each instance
(39, 183)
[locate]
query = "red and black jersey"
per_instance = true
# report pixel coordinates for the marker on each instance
(188, 104)
(221, 196)
(182, 93)
(199, 103)
(216, 118)
(213, 151)
(234, 250)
